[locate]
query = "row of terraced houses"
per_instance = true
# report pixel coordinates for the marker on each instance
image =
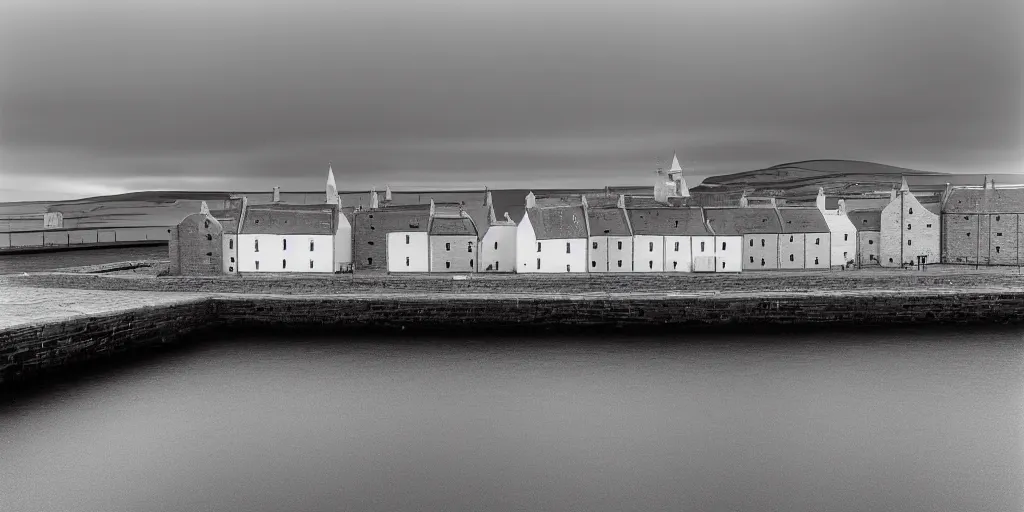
(603, 233)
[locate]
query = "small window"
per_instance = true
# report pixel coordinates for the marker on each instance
(206, 223)
(209, 236)
(538, 249)
(568, 268)
(620, 263)
(310, 263)
(762, 262)
(967, 217)
(495, 248)
(407, 261)
(762, 242)
(723, 264)
(723, 246)
(928, 225)
(674, 264)
(231, 269)
(311, 246)
(538, 263)
(751, 259)
(470, 263)
(256, 245)
(620, 246)
(997, 218)
(568, 247)
(790, 257)
(593, 264)
(871, 242)
(370, 242)
(650, 245)
(469, 248)
(447, 246)
(257, 264)
(790, 238)
(815, 260)
(968, 234)
(594, 245)
(369, 261)
(209, 254)
(284, 263)
(911, 211)
(751, 242)
(999, 234)
(890, 260)
(997, 248)
(650, 264)
(844, 255)
(702, 247)
(406, 239)
(447, 264)
(231, 243)
(677, 246)
(817, 241)
(495, 265)
(908, 227)
(846, 236)
(908, 242)
(232, 259)
(284, 243)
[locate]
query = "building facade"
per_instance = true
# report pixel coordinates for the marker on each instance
(370, 242)
(753, 231)
(663, 239)
(611, 240)
(195, 245)
(869, 236)
(805, 241)
(453, 244)
(287, 238)
(843, 234)
(551, 239)
(982, 225)
(910, 231)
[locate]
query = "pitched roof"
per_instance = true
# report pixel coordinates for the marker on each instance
(866, 220)
(642, 202)
(557, 222)
(452, 226)
(668, 221)
(935, 208)
(975, 200)
(228, 218)
(290, 219)
(803, 220)
(743, 221)
(397, 218)
(607, 222)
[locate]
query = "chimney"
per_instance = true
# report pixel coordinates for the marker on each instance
(842, 207)
(820, 200)
(488, 201)
(621, 203)
(374, 200)
(509, 219)
(892, 195)
(743, 200)
(432, 207)
(583, 200)
(387, 193)
(277, 194)
(204, 208)
(531, 200)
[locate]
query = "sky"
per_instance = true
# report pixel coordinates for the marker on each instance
(102, 96)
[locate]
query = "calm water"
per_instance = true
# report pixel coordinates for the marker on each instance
(913, 421)
(37, 262)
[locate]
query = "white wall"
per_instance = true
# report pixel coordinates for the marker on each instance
(648, 253)
(681, 259)
(342, 243)
(729, 259)
(843, 239)
(417, 250)
(608, 254)
(229, 251)
(505, 255)
(597, 254)
(274, 257)
(555, 258)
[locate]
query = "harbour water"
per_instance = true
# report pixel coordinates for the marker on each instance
(908, 420)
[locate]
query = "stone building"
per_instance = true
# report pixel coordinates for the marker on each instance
(551, 237)
(372, 231)
(195, 245)
(497, 241)
(843, 234)
(805, 242)
(910, 231)
(664, 239)
(611, 240)
(453, 243)
(982, 225)
(869, 236)
(753, 230)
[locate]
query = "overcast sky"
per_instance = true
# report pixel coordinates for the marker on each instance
(102, 96)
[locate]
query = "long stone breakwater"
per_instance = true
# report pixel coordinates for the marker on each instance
(45, 329)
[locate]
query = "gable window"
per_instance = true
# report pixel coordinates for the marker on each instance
(448, 246)
(911, 211)
(568, 247)
(231, 243)
(256, 245)
(594, 245)
(257, 264)
(538, 249)
(284, 244)
(677, 246)
(538, 263)
(650, 245)
(620, 246)
(846, 236)
(406, 239)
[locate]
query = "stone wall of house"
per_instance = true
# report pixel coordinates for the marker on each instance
(791, 251)
(369, 244)
(961, 238)
(867, 248)
(1003, 239)
(761, 252)
(818, 250)
(453, 253)
(199, 246)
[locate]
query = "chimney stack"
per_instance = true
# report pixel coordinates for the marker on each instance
(531, 200)
(277, 194)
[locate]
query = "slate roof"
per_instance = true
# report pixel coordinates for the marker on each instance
(643, 202)
(935, 208)
(452, 226)
(803, 220)
(974, 200)
(414, 218)
(558, 222)
(866, 220)
(290, 219)
(607, 222)
(228, 218)
(743, 221)
(668, 221)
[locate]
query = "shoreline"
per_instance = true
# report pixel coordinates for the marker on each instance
(46, 329)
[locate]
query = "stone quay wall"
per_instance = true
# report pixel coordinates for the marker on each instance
(32, 349)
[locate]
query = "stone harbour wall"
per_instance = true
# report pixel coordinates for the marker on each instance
(30, 350)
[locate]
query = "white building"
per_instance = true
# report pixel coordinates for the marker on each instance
(287, 238)
(229, 221)
(497, 242)
(664, 240)
(408, 251)
(611, 240)
(843, 237)
(551, 238)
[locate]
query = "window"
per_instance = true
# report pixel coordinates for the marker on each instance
(997, 248)
(790, 257)
(256, 245)
(650, 245)
(257, 264)
(968, 234)
(407, 261)
(908, 227)
(310, 263)
(310, 246)
(815, 260)
(723, 264)
(209, 254)
(406, 239)
(846, 236)
(650, 264)
(790, 238)
(568, 246)
(567, 267)
(723, 246)
(817, 241)
(495, 248)
(447, 246)
(447, 264)
(538, 263)
(231, 269)
(594, 245)
(928, 225)
(762, 242)
(751, 259)
(762, 262)
(890, 260)
(232, 259)
(620, 246)
(871, 242)
(470, 263)
(369, 261)
(593, 264)
(620, 263)
(284, 243)
(209, 236)
(284, 263)
(469, 249)
(538, 249)
(911, 211)
(495, 265)
(231, 243)
(999, 234)
(751, 242)
(370, 242)
(677, 246)
(674, 264)
(908, 242)
(997, 218)
(702, 247)
(677, 223)
(206, 223)
(844, 255)
(966, 217)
